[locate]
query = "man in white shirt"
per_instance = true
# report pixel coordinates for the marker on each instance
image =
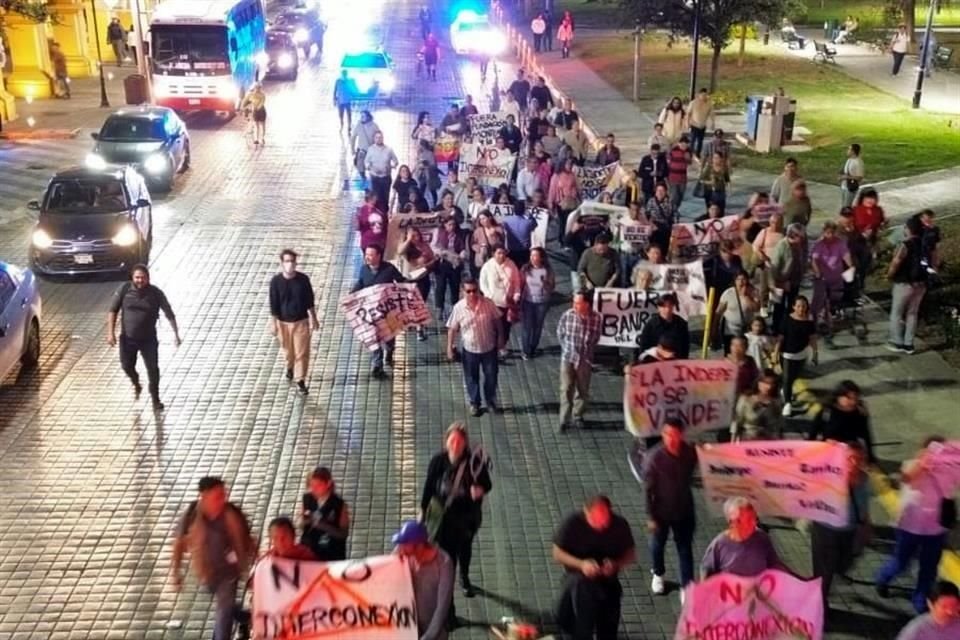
(658, 138)
(852, 177)
(528, 181)
(461, 198)
(380, 162)
(478, 320)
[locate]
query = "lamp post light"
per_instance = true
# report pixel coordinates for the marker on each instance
(925, 57)
(96, 34)
(696, 48)
(637, 32)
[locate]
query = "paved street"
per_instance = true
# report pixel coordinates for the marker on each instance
(93, 481)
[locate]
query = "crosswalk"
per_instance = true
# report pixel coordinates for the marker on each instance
(27, 165)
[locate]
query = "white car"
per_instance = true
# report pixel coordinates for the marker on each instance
(369, 74)
(473, 35)
(19, 318)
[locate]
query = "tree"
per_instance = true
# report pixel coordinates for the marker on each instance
(717, 19)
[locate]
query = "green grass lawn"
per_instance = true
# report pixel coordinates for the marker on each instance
(839, 110)
(870, 13)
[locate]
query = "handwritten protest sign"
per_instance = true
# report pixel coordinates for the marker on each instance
(446, 148)
(490, 166)
(698, 392)
(591, 181)
(484, 127)
(945, 462)
(593, 215)
(789, 478)
(770, 606)
(686, 280)
(368, 599)
(624, 313)
(693, 240)
(540, 214)
(636, 234)
(397, 225)
(384, 311)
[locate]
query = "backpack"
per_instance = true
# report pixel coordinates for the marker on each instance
(916, 267)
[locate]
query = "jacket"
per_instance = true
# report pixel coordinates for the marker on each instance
(386, 274)
(668, 484)
(238, 534)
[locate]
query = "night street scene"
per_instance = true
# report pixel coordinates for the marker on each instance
(473, 319)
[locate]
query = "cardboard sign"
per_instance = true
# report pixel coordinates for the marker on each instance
(384, 311)
(397, 224)
(484, 127)
(789, 478)
(686, 280)
(699, 392)
(446, 148)
(368, 599)
(771, 606)
(593, 214)
(637, 234)
(539, 237)
(592, 181)
(624, 313)
(490, 166)
(696, 240)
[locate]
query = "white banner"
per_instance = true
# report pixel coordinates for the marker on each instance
(686, 280)
(592, 181)
(771, 606)
(624, 313)
(384, 311)
(788, 478)
(539, 237)
(484, 127)
(701, 393)
(593, 214)
(368, 599)
(694, 240)
(490, 166)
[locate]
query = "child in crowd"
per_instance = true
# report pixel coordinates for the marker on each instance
(760, 344)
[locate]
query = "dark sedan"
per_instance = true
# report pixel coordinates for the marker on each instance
(304, 25)
(92, 220)
(281, 55)
(153, 139)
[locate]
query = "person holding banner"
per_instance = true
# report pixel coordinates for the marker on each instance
(599, 266)
(424, 130)
(448, 209)
(479, 320)
(942, 622)
(578, 332)
(633, 236)
(486, 239)
(373, 272)
(539, 283)
(326, 518)
(668, 482)
(432, 572)
(743, 549)
(593, 547)
(501, 283)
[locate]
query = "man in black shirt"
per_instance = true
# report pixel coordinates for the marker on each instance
(593, 547)
(666, 324)
(376, 271)
(567, 116)
(294, 315)
(520, 88)
(140, 303)
(541, 93)
(512, 136)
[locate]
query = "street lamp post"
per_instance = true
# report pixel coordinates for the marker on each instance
(696, 48)
(925, 57)
(636, 61)
(96, 34)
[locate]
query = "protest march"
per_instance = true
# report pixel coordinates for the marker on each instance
(490, 166)
(623, 313)
(381, 312)
(484, 127)
(539, 236)
(697, 240)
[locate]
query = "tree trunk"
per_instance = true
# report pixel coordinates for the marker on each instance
(910, 18)
(714, 67)
(743, 44)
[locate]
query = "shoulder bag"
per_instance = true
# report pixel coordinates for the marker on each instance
(437, 508)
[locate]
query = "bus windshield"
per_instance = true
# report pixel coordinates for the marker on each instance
(190, 47)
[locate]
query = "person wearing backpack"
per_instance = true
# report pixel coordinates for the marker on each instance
(908, 271)
(217, 536)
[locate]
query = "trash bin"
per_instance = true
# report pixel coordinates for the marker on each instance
(754, 106)
(789, 121)
(135, 89)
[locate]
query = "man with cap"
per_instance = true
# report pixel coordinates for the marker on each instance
(432, 573)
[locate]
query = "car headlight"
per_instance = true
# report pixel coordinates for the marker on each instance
(95, 161)
(285, 61)
(364, 83)
(389, 83)
(262, 59)
(126, 237)
(155, 163)
(42, 239)
(300, 36)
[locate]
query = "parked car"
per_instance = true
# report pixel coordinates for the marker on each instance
(280, 58)
(370, 74)
(305, 26)
(19, 318)
(152, 139)
(92, 220)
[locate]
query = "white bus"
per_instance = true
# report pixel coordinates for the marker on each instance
(205, 52)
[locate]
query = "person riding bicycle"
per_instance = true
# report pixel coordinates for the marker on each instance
(361, 139)
(255, 104)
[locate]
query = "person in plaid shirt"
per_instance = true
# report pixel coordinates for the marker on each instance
(578, 331)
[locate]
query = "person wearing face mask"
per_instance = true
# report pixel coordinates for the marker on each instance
(294, 315)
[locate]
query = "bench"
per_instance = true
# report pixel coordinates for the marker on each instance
(824, 52)
(941, 57)
(792, 40)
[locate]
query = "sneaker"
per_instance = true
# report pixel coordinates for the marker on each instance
(497, 409)
(895, 348)
(289, 374)
(578, 423)
(137, 390)
(657, 586)
(524, 357)
(562, 427)
(475, 411)
(157, 405)
(377, 373)
(787, 410)
(468, 590)
(302, 388)
(908, 349)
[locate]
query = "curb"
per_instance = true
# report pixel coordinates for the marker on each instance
(40, 134)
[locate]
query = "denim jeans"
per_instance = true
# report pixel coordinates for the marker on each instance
(927, 549)
(377, 357)
(677, 191)
(224, 596)
(532, 316)
(627, 262)
(696, 139)
(846, 196)
(683, 539)
(473, 363)
(904, 309)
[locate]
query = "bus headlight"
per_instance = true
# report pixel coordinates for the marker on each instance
(300, 36)
(127, 236)
(285, 61)
(155, 163)
(388, 84)
(42, 239)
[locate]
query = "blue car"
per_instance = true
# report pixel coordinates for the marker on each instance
(19, 318)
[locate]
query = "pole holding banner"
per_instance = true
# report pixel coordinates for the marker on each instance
(711, 309)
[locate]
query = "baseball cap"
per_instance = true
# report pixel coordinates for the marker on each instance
(411, 532)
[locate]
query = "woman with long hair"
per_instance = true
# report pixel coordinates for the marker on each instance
(419, 261)
(539, 282)
(424, 131)
(402, 185)
(797, 339)
(488, 236)
(673, 117)
(758, 415)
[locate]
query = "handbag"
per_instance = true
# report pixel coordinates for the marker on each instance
(853, 185)
(698, 189)
(437, 508)
(948, 508)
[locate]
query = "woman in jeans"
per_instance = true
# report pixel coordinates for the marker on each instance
(797, 339)
(539, 282)
(714, 178)
(402, 185)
